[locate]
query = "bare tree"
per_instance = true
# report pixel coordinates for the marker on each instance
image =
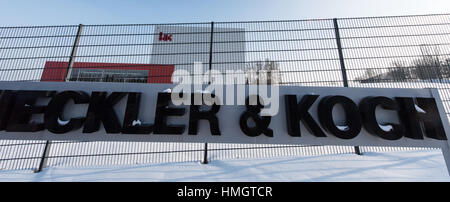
(446, 68)
(429, 66)
(399, 72)
(263, 73)
(368, 76)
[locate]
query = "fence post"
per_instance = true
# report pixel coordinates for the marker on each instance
(341, 60)
(205, 154)
(211, 51)
(48, 143)
(205, 151)
(44, 157)
(74, 52)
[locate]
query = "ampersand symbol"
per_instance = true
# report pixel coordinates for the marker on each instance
(261, 123)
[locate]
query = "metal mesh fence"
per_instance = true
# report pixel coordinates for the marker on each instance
(385, 52)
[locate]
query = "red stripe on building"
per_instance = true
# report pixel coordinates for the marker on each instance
(56, 71)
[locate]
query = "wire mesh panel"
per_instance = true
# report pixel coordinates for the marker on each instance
(398, 52)
(20, 155)
(65, 154)
(24, 52)
(393, 149)
(156, 50)
(303, 52)
(392, 52)
(249, 151)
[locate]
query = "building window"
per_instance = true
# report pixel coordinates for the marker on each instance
(109, 75)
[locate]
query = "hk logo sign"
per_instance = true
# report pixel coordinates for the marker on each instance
(165, 37)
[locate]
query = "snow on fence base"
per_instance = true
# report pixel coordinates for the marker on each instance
(25, 155)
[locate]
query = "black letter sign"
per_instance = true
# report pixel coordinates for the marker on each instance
(54, 112)
(101, 109)
(296, 112)
(430, 118)
(131, 116)
(162, 112)
(262, 123)
(368, 107)
(353, 119)
(6, 104)
(24, 108)
(196, 115)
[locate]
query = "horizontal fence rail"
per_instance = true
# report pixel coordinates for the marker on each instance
(379, 52)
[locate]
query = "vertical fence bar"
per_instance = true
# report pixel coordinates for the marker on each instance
(341, 55)
(74, 52)
(205, 152)
(342, 63)
(44, 157)
(48, 143)
(211, 51)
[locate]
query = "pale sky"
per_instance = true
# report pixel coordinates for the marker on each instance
(63, 12)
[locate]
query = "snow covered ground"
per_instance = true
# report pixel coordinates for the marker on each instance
(425, 165)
